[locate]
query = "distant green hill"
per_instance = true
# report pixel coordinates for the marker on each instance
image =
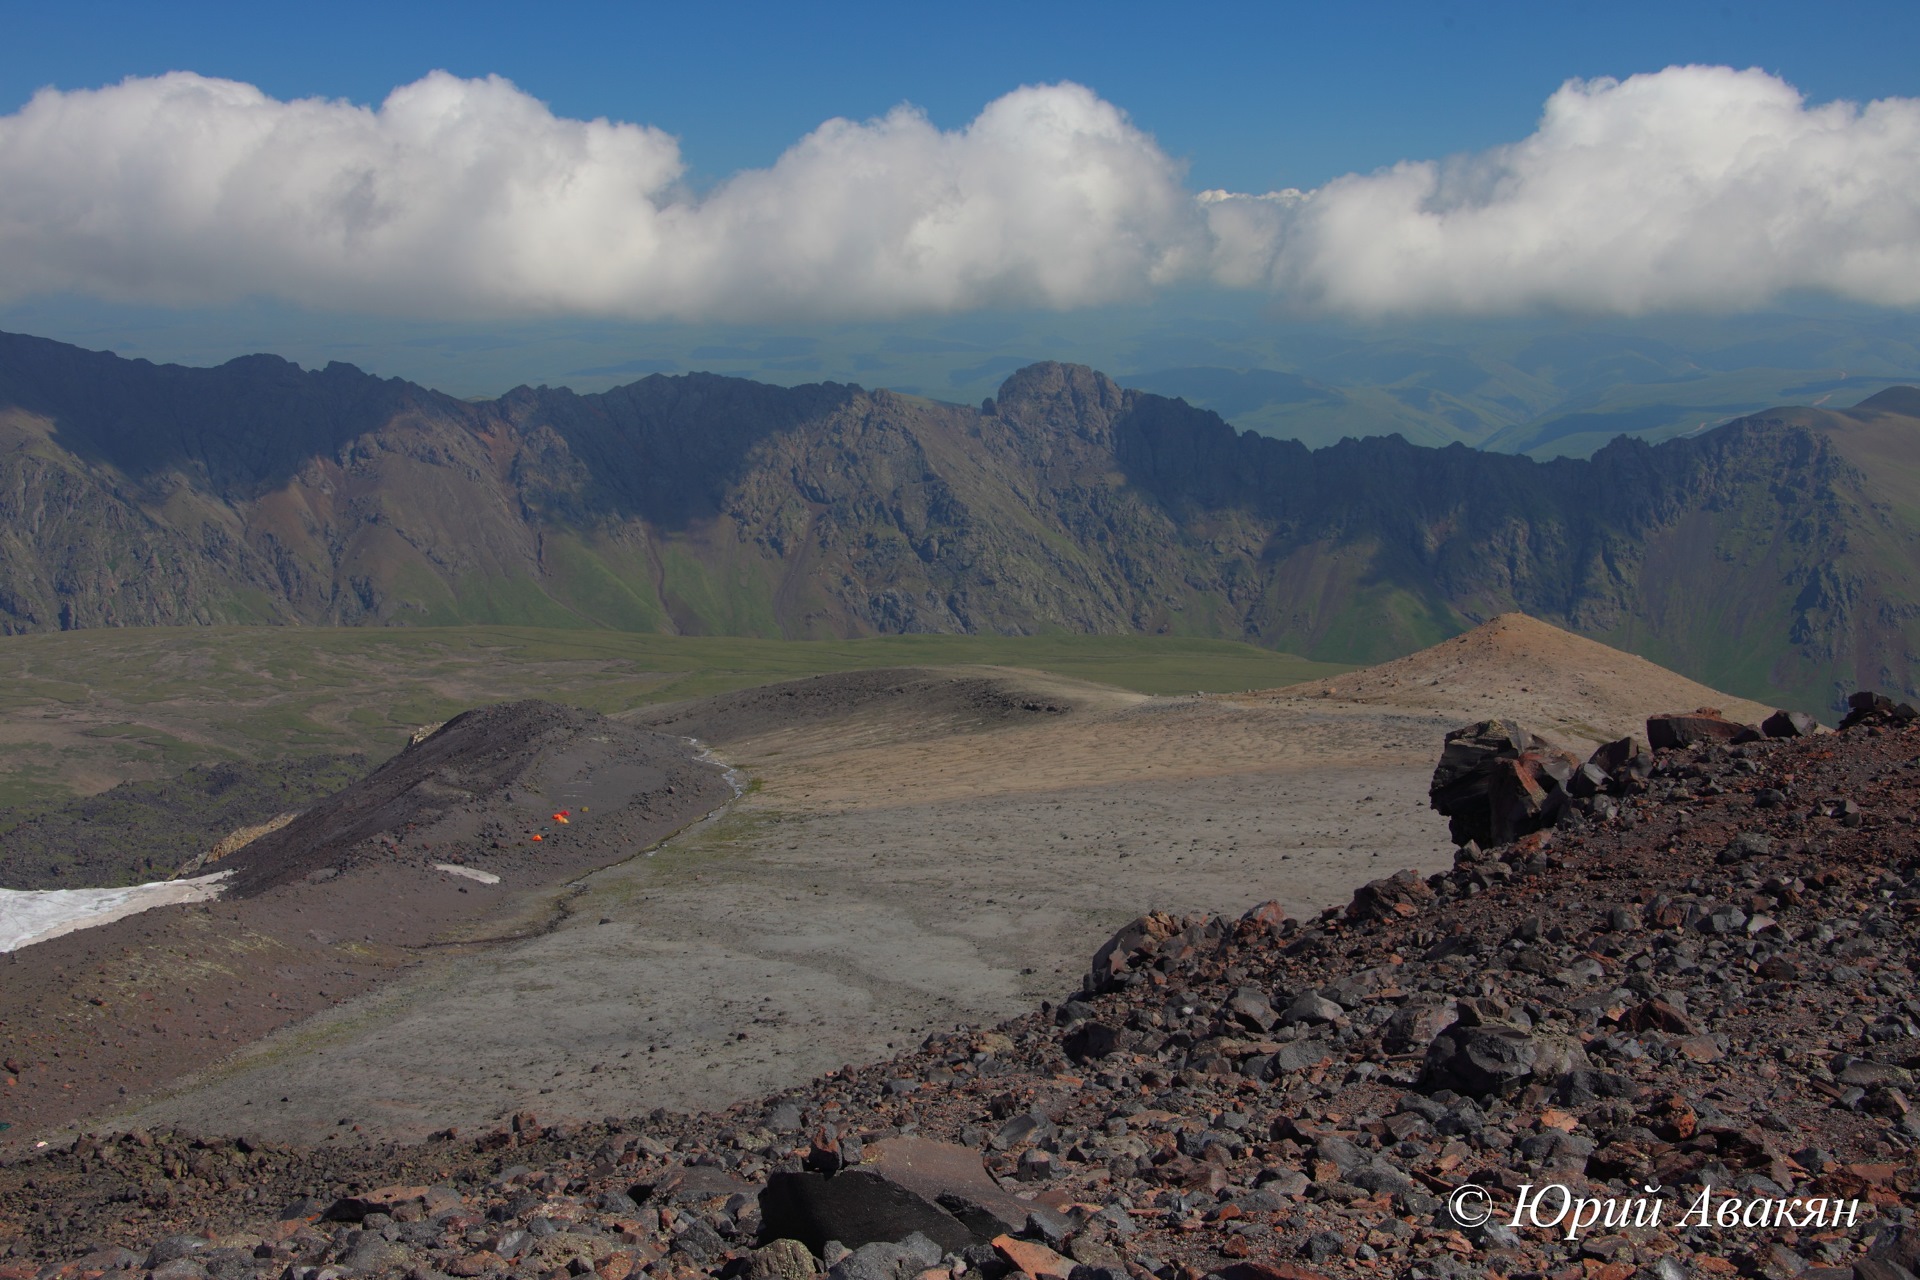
(1773, 556)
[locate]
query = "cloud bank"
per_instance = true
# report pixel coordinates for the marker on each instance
(1694, 187)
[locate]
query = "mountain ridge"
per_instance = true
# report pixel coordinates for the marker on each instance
(1773, 555)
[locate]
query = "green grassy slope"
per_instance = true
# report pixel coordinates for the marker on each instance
(82, 710)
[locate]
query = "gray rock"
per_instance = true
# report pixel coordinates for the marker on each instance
(1495, 1235)
(179, 1269)
(1343, 1153)
(884, 1260)
(1091, 1041)
(856, 1207)
(1416, 1023)
(371, 1255)
(1322, 1245)
(1028, 1127)
(699, 1242)
(1300, 1055)
(1380, 1176)
(1251, 1008)
(618, 1203)
(1479, 1062)
(1311, 1006)
(782, 1260)
(1285, 1182)
(173, 1247)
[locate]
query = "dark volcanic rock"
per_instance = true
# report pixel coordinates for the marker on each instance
(856, 1207)
(1676, 729)
(1869, 708)
(1496, 781)
(1789, 724)
(1479, 1061)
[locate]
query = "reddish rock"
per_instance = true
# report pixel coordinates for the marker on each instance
(379, 1200)
(1269, 914)
(1684, 729)
(1270, 1271)
(1032, 1258)
(1656, 1015)
(950, 1175)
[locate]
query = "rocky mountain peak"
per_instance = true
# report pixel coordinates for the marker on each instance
(1055, 393)
(257, 491)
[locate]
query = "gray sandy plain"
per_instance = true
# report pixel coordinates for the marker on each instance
(891, 873)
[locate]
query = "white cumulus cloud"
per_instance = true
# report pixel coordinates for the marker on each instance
(1693, 187)
(456, 195)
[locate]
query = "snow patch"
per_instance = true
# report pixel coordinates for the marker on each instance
(471, 873)
(28, 916)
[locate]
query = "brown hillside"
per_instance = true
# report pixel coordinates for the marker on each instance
(1552, 680)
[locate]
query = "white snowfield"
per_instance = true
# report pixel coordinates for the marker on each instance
(28, 916)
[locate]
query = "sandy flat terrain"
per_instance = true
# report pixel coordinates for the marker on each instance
(920, 848)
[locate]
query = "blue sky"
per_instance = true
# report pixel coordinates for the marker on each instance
(1254, 96)
(186, 220)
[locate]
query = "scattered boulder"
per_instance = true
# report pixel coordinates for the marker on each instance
(1159, 935)
(1614, 756)
(888, 1260)
(1704, 724)
(949, 1175)
(1416, 1024)
(1091, 1041)
(902, 1185)
(1111, 961)
(1403, 893)
(380, 1200)
(856, 1207)
(1869, 708)
(1311, 1006)
(1789, 724)
(1492, 1059)
(782, 1260)
(1496, 782)
(1249, 1007)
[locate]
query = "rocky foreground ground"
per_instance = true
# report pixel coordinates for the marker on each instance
(1695, 992)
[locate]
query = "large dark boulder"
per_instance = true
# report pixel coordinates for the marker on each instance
(855, 1207)
(1685, 729)
(1869, 708)
(1496, 782)
(1484, 1059)
(1789, 724)
(902, 1186)
(1479, 1061)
